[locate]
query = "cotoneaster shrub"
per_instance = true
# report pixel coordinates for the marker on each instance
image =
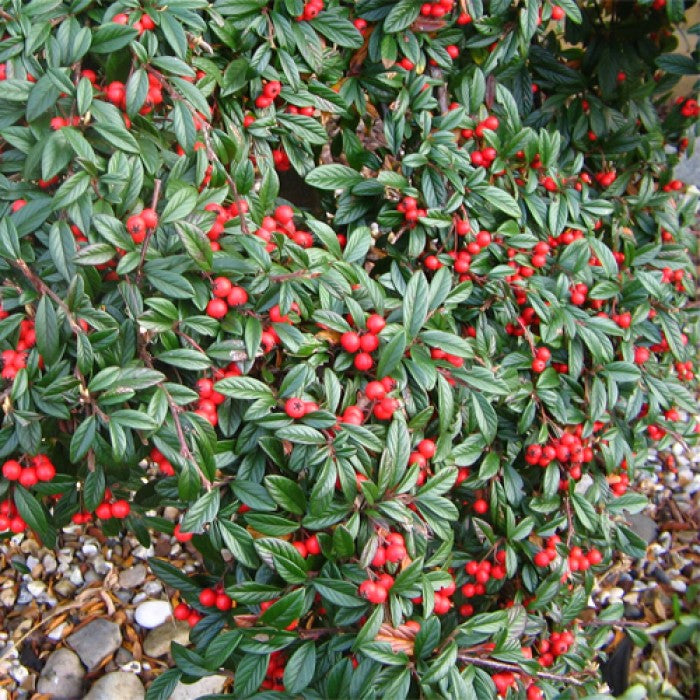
(403, 422)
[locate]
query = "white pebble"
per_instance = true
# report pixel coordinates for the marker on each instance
(152, 613)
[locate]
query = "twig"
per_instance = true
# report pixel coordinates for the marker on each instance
(185, 451)
(41, 287)
(190, 340)
(294, 275)
(501, 666)
(149, 232)
(206, 133)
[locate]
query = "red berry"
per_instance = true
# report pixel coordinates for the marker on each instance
(375, 323)
(181, 611)
(375, 391)
(427, 448)
(28, 477)
(363, 361)
(207, 597)
(541, 559)
(181, 536)
(350, 341)
(217, 308)
(120, 509)
(237, 296)
(480, 506)
(221, 287)
(284, 213)
(295, 408)
(11, 470)
(104, 511)
(149, 216)
(223, 602)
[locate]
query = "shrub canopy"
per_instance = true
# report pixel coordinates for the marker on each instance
(388, 299)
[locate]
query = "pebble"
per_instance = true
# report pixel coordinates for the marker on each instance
(135, 576)
(90, 549)
(152, 613)
(62, 675)
(36, 588)
(211, 685)
(24, 597)
(117, 686)
(679, 585)
(97, 640)
(8, 597)
(101, 566)
(49, 563)
(142, 552)
(76, 576)
(65, 588)
(153, 588)
(57, 632)
(157, 642)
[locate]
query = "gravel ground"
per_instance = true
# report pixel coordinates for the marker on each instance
(91, 618)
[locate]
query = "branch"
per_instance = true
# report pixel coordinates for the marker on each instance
(294, 275)
(41, 287)
(206, 133)
(185, 451)
(514, 668)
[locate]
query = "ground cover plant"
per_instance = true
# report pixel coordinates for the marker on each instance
(389, 299)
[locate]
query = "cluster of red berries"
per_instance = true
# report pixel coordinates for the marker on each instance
(110, 508)
(684, 370)
(164, 465)
(59, 122)
(209, 398)
(568, 449)
(270, 92)
(579, 293)
(363, 345)
(187, 614)
(10, 519)
(624, 320)
(557, 644)
(282, 221)
(580, 561)
(605, 179)
(393, 551)
(542, 357)
(689, 107)
(215, 598)
(312, 8)
(619, 483)
(483, 572)
(491, 123)
(144, 24)
(673, 186)
(223, 215)
(377, 591)
(440, 354)
(304, 111)
(437, 8)
(528, 317)
(308, 547)
(274, 675)
(138, 224)
(15, 360)
(505, 680)
(674, 277)
(40, 469)
(425, 450)
(384, 406)
(296, 407)
(115, 93)
(408, 206)
(226, 295)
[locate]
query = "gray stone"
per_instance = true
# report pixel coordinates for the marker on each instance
(644, 526)
(157, 642)
(62, 675)
(205, 686)
(95, 641)
(135, 576)
(117, 685)
(688, 169)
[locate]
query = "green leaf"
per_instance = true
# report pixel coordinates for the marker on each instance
(179, 205)
(185, 358)
(203, 511)
(415, 304)
(33, 514)
(391, 355)
(300, 668)
(111, 37)
(243, 388)
(333, 177)
(47, 332)
(401, 16)
(83, 439)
